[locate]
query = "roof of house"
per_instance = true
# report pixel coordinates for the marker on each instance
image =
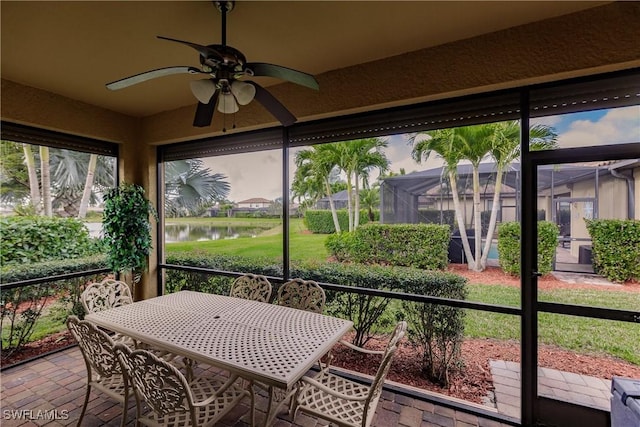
(421, 182)
(340, 195)
(255, 200)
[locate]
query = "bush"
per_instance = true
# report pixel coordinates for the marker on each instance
(509, 246)
(437, 329)
(412, 245)
(28, 240)
(14, 273)
(321, 221)
(340, 245)
(22, 307)
(368, 313)
(616, 248)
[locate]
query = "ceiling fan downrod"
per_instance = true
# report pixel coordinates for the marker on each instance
(224, 7)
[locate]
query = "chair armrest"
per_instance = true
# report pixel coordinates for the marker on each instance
(360, 349)
(320, 386)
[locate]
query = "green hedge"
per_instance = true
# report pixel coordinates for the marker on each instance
(509, 246)
(35, 239)
(422, 246)
(616, 248)
(14, 273)
(321, 221)
(369, 313)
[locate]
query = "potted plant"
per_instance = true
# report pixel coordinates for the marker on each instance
(126, 229)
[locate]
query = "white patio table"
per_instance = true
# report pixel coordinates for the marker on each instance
(263, 342)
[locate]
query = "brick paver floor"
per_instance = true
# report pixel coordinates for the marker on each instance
(57, 382)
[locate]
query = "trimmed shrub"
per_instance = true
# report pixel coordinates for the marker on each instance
(321, 221)
(14, 273)
(340, 245)
(616, 248)
(28, 240)
(509, 246)
(412, 245)
(438, 330)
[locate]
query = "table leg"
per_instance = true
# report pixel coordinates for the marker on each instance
(277, 398)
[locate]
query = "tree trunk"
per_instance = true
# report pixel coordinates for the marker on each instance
(493, 219)
(460, 220)
(34, 188)
(45, 172)
(477, 220)
(88, 184)
(334, 214)
(349, 202)
(356, 214)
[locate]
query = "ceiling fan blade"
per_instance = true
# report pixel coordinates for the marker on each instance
(283, 73)
(274, 106)
(204, 112)
(148, 75)
(205, 51)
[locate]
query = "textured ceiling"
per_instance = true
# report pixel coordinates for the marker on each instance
(74, 48)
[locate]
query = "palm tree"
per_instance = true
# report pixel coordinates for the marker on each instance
(474, 143)
(506, 149)
(442, 143)
(356, 158)
(370, 199)
(317, 165)
(34, 188)
(190, 187)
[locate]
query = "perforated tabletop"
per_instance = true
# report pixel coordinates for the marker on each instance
(265, 342)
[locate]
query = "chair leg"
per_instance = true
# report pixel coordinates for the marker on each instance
(84, 405)
(252, 394)
(125, 407)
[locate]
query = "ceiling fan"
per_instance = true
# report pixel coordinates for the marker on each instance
(225, 86)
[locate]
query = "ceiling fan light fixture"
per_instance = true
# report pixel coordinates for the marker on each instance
(203, 90)
(244, 92)
(227, 103)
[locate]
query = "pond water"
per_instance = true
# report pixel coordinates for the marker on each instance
(192, 233)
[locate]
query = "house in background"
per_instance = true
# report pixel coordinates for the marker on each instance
(254, 203)
(568, 195)
(340, 201)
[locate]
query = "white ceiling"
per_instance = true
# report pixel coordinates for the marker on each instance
(74, 48)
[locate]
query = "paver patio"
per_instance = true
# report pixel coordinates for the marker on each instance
(57, 382)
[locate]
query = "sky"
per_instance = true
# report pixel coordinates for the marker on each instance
(257, 175)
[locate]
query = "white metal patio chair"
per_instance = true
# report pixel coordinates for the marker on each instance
(342, 401)
(104, 372)
(103, 295)
(302, 294)
(111, 293)
(172, 399)
(252, 287)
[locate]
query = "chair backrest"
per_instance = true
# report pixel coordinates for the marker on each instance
(96, 347)
(159, 384)
(251, 286)
(302, 294)
(107, 294)
(381, 374)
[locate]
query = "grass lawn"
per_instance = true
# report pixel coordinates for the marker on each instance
(580, 334)
(302, 245)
